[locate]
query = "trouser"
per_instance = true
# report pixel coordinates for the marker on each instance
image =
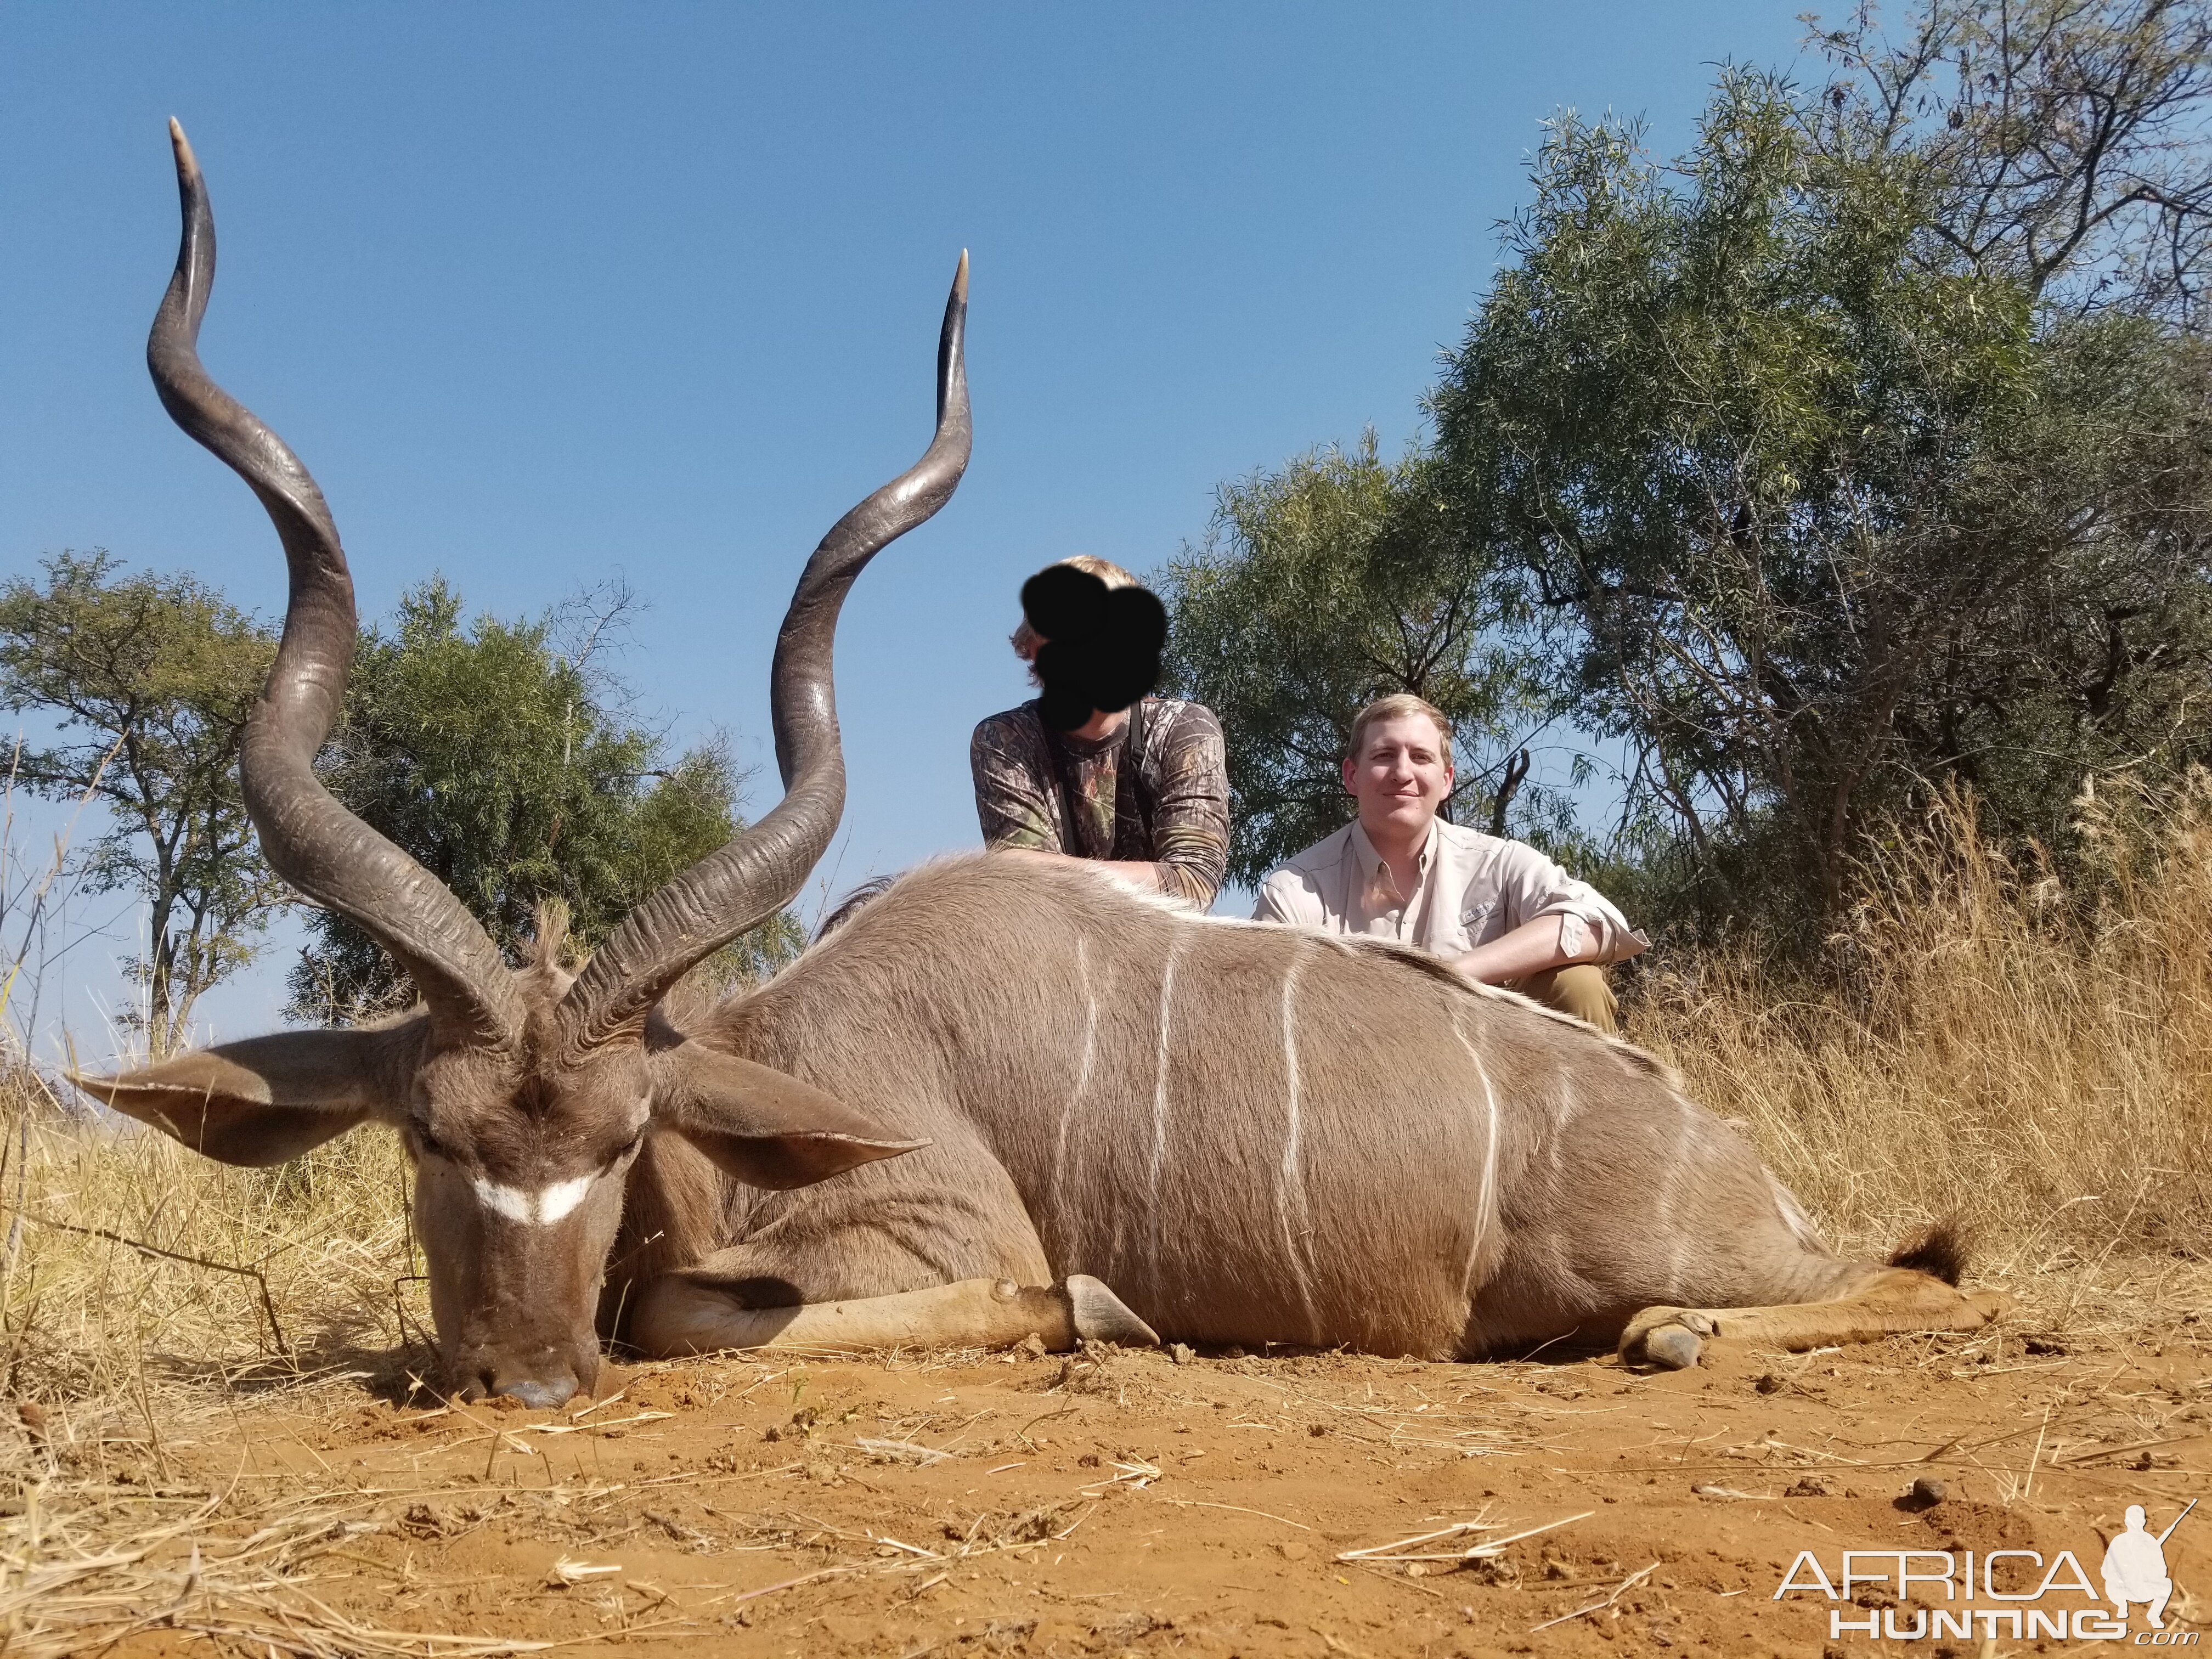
(1579, 988)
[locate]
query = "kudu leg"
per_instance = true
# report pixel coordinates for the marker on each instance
(1889, 1302)
(680, 1315)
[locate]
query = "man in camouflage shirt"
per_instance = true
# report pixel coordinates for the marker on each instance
(1143, 790)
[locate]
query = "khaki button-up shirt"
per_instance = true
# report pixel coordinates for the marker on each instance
(1472, 889)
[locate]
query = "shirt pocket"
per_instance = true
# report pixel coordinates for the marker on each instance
(1472, 919)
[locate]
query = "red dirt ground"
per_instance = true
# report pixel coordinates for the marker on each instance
(1128, 1504)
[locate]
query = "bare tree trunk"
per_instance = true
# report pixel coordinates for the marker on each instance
(1517, 771)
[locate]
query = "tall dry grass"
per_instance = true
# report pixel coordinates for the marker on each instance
(147, 1293)
(129, 1261)
(2028, 1050)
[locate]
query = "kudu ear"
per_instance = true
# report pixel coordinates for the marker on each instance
(762, 1126)
(269, 1098)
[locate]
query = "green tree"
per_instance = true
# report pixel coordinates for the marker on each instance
(506, 767)
(1865, 446)
(148, 680)
(1319, 587)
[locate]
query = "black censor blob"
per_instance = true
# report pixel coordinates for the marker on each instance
(1102, 645)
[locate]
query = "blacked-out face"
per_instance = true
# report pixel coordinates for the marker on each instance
(519, 1186)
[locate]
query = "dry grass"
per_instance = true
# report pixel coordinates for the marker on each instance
(321, 1244)
(2032, 1055)
(102, 1538)
(238, 1289)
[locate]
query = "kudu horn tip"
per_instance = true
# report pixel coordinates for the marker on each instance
(188, 164)
(960, 280)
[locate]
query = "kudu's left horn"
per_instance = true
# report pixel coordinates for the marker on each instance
(755, 875)
(308, 838)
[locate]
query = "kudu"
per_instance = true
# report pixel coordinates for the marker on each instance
(1024, 1080)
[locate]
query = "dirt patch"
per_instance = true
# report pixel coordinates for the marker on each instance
(1119, 1502)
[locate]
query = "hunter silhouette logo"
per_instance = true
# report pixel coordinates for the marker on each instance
(2135, 1566)
(1912, 1596)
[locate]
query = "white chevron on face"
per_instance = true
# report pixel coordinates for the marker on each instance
(541, 1208)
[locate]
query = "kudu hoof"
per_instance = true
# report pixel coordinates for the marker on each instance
(1669, 1337)
(1672, 1347)
(1103, 1317)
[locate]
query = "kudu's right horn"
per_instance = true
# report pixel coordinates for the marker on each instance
(308, 838)
(762, 869)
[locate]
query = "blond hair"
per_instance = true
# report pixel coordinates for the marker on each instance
(1397, 706)
(1025, 639)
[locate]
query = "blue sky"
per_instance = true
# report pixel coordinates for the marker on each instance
(546, 294)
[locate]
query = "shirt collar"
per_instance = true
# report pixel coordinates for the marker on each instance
(1374, 873)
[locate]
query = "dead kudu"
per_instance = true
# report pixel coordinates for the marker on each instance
(1000, 1088)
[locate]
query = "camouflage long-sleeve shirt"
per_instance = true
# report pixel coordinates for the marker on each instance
(1172, 813)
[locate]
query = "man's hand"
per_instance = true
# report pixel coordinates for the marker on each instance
(1531, 948)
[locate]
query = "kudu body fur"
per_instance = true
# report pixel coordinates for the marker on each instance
(1253, 1134)
(1027, 1081)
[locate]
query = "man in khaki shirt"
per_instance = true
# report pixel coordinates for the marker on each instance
(1498, 910)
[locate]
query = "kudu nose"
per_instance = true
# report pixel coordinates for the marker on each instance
(540, 1393)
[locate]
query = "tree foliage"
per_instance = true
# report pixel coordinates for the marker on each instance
(2059, 143)
(1319, 587)
(1864, 447)
(507, 769)
(148, 680)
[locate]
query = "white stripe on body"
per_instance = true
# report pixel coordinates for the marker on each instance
(1793, 1215)
(1160, 1117)
(1485, 1206)
(1290, 1179)
(1070, 1217)
(1670, 1199)
(539, 1209)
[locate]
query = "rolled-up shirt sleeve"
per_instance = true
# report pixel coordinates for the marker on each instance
(1190, 809)
(1590, 928)
(1010, 798)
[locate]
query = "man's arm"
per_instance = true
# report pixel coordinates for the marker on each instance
(1287, 895)
(1554, 920)
(1190, 808)
(1534, 947)
(1010, 800)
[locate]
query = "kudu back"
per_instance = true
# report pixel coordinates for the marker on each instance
(999, 1089)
